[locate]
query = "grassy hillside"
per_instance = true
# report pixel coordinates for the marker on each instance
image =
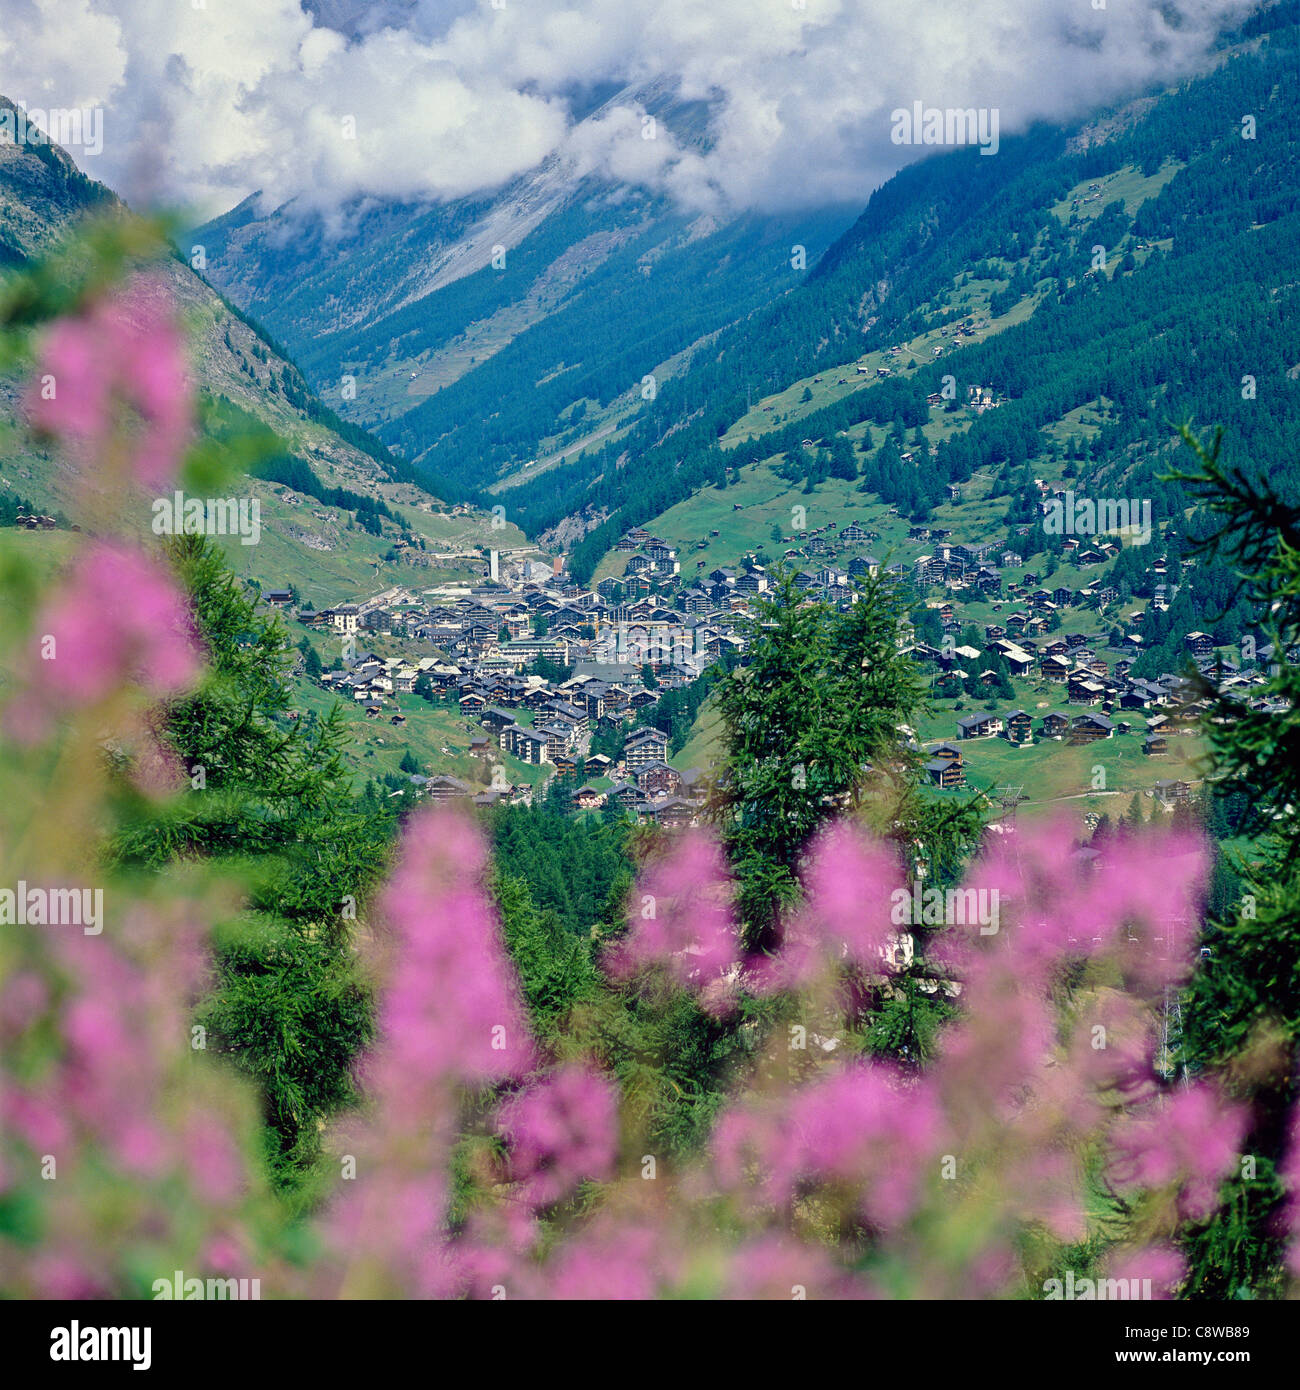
(316, 546)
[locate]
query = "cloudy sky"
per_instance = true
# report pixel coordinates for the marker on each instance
(206, 101)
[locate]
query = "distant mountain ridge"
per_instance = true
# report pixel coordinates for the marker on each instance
(659, 368)
(491, 333)
(328, 550)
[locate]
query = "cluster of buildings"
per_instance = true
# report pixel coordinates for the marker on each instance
(1106, 694)
(614, 653)
(616, 647)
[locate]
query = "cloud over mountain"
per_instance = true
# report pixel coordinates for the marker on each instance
(411, 99)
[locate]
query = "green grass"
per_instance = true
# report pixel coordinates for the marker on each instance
(1127, 185)
(44, 551)
(764, 499)
(1051, 772)
(1101, 776)
(704, 744)
(834, 383)
(378, 746)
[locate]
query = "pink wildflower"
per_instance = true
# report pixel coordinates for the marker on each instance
(1191, 1137)
(561, 1131)
(126, 348)
(453, 1006)
(1163, 1267)
(118, 617)
(680, 918)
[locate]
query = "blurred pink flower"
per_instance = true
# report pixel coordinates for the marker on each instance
(777, 1267)
(561, 1131)
(1289, 1172)
(610, 1259)
(1162, 1265)
(1191, 1136)
(862, 1127)
(680, 918)
(24, 997)
(452, 1008)
(449, 1018)
(213, 1160)
(846, 915)
(117, 618)
(126, 348)
(62, 1275)
(35, 1120)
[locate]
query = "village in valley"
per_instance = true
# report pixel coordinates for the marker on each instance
(537, 682)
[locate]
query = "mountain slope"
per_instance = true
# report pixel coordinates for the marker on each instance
(1201, 241)
(327, 550)
(493, 333)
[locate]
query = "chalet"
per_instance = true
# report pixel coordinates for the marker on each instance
(979, 726)
(1019, 727)
(588, 798)
(945, 772)
(345, 618)
(658, 778)
(1054, 668)
(559, 739)
(1055, 725)
(1155, 744)
(1086, 728)
(1083, 690)
(1140, 695)
(1199, 643)
(1171, 791)
(495, 719)
(1017, 658)
(528, 745)
(672, 813)
(597, 765)
(444, 788)
(625, 793)
(645, 746)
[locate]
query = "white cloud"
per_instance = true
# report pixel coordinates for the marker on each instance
(448, 97)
